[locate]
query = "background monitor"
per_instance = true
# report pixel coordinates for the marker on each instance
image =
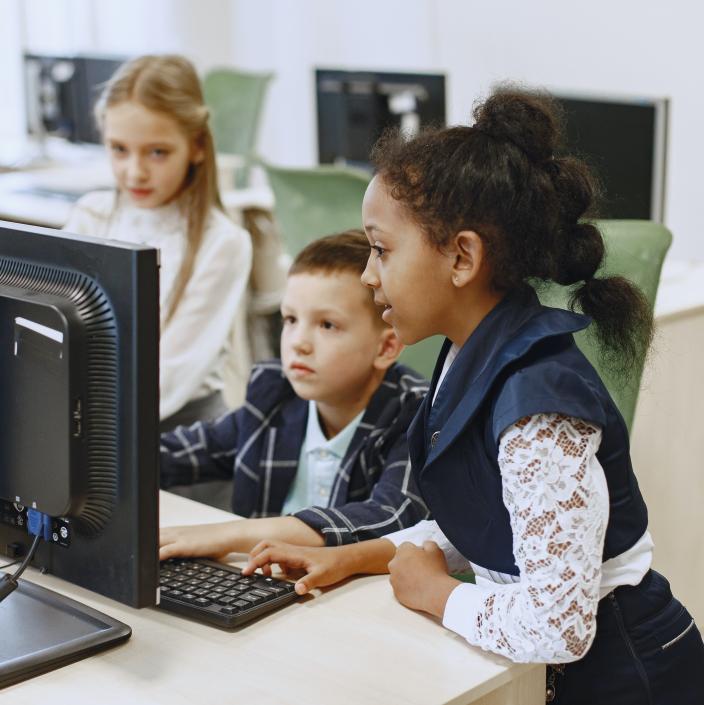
(354, 107)
(625, 142)
(61, 91)
(79, 342)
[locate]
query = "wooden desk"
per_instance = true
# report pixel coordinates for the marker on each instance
(353, 644)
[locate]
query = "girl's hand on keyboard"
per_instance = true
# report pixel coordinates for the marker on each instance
(317, 567)
(314, 567)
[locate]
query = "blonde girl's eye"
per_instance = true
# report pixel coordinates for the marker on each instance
(379, 250)
(288, 320)
(160, 153)
(118, 150)
(328, 325)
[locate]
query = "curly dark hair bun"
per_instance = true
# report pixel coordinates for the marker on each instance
(531, 122)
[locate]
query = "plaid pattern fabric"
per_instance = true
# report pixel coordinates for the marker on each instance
(259, 446)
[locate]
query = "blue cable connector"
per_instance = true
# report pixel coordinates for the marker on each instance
(39, 524)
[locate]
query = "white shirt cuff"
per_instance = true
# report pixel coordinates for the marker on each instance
(425, 530)
(463, 606)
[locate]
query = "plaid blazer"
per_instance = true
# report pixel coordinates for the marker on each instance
(259, 446)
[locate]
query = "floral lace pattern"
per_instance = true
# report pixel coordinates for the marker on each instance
(556, 494)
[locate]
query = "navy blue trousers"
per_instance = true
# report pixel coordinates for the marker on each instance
(647, 651)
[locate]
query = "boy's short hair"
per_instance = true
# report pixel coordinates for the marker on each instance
(347, 251)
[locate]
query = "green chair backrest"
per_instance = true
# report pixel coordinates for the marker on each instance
(635, 249)
(235, 99)
(422, 355)
(309, 203)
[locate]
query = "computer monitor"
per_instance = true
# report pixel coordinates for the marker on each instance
(79, 342)
(625, 142)
(61, 92)
(354, 108)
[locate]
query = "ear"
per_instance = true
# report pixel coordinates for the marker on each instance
(390, 348)
(197, 152)
(468, 251)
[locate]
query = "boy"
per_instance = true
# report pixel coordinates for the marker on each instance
(322, 434)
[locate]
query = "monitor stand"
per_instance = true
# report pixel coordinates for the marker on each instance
(43, 630)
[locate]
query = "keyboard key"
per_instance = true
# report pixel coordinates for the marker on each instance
(264, 594)
(251, 598)
(229, 610)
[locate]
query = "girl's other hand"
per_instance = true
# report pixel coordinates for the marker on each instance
(419, 577)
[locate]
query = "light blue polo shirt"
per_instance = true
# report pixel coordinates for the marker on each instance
(318, 463)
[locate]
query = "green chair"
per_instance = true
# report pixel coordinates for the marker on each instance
(635, 249)
(422, 355)
(235, 99)
(312, 202)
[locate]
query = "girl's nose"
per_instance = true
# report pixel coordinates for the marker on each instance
(369, 277)
(137, 170)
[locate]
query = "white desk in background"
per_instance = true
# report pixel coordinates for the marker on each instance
(40, 194)
(349, 645)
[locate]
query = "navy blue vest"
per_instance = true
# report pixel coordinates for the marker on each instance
(521, 360)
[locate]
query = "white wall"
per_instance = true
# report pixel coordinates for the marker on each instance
(628, 47)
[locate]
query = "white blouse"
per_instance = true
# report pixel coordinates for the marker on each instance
(556, 494)
(210, 318)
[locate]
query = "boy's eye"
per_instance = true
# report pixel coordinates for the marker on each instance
(328, 325)
(117, 149)
(289, 319)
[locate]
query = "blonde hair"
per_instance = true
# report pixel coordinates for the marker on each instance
(169, 84)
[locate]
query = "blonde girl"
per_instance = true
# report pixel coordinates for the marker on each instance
(155, 127)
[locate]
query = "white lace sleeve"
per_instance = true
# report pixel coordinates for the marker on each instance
(556, 495)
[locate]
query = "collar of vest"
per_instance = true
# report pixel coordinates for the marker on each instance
(506, 334)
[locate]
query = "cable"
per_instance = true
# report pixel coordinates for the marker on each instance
(9, 565)
(8, 583)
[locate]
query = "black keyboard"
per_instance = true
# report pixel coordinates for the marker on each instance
(219, 594)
